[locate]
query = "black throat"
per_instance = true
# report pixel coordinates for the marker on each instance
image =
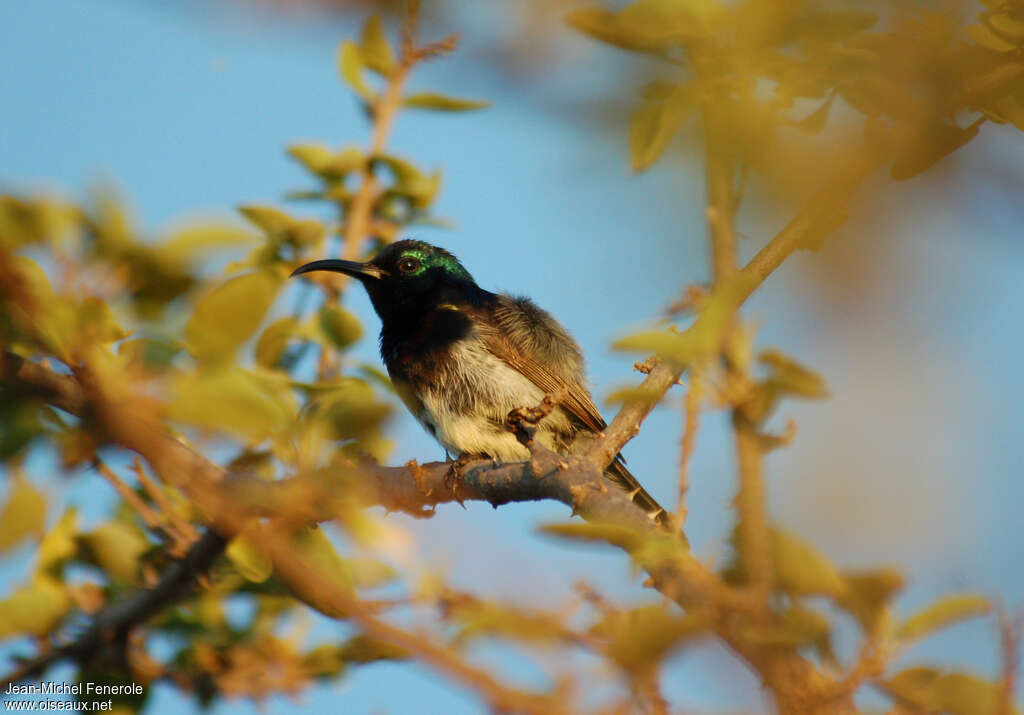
(422, 328)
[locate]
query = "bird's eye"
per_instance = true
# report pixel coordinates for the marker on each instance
(408, 265)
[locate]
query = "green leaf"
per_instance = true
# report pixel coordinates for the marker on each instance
(802, 570)
(443, 103)
(232, 401)
(944, 612)
(229, 314)
(375, 50)
(350, 67)
(34, 609)
(340, 326)
(23, 515)
(249, 557)
(655, 124)
(116, 548)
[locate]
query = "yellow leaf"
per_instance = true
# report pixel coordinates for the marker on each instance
(350, 66)
(608, 533)
(932, 690)
(602, 25)
(440, 102)
(192, 243)
(375, 50)
(229, 314)
(790, 377)
(59, 543)
(340, 326)
(868, 592)
(232, 401)
(944, 612)
(249, 557)
(802, 570)
(655, 124)
(644, 636)
(797, 626)
(23, 515)
(272, 342)
(661, 23)
(681, 348)
(988, 39)
(272, 221)
(318, 551)
(363, 649)
(34, 609)
(116, 548)
(815, 121)
(1006, 26)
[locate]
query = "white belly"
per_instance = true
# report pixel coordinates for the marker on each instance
(465, 409)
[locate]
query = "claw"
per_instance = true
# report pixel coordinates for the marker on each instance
(452, 476)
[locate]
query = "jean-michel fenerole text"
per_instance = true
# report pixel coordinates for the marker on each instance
(63, 688)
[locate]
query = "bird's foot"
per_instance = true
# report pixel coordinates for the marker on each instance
(452, 476)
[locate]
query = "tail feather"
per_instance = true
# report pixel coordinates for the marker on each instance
(618, 473)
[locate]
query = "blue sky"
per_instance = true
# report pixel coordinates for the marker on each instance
(916, 458)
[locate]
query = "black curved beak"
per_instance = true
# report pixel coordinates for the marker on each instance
(360, 271)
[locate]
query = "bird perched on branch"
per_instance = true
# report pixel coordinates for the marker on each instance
(461, 358)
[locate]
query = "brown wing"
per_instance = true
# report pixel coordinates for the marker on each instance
(535, 345)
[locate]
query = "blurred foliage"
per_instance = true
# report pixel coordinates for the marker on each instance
(232, 371)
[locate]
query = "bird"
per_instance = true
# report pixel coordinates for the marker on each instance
(461, 358)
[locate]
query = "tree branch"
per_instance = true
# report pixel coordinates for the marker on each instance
(111, 626)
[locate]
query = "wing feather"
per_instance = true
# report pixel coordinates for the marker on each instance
(535, 345)
(529, 340)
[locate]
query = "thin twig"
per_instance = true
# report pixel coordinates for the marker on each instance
(149, 515)
(111, 626)
(688, 446)
(1009, 638)
(183, 528)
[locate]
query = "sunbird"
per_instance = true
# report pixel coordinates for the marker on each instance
(461, 358)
